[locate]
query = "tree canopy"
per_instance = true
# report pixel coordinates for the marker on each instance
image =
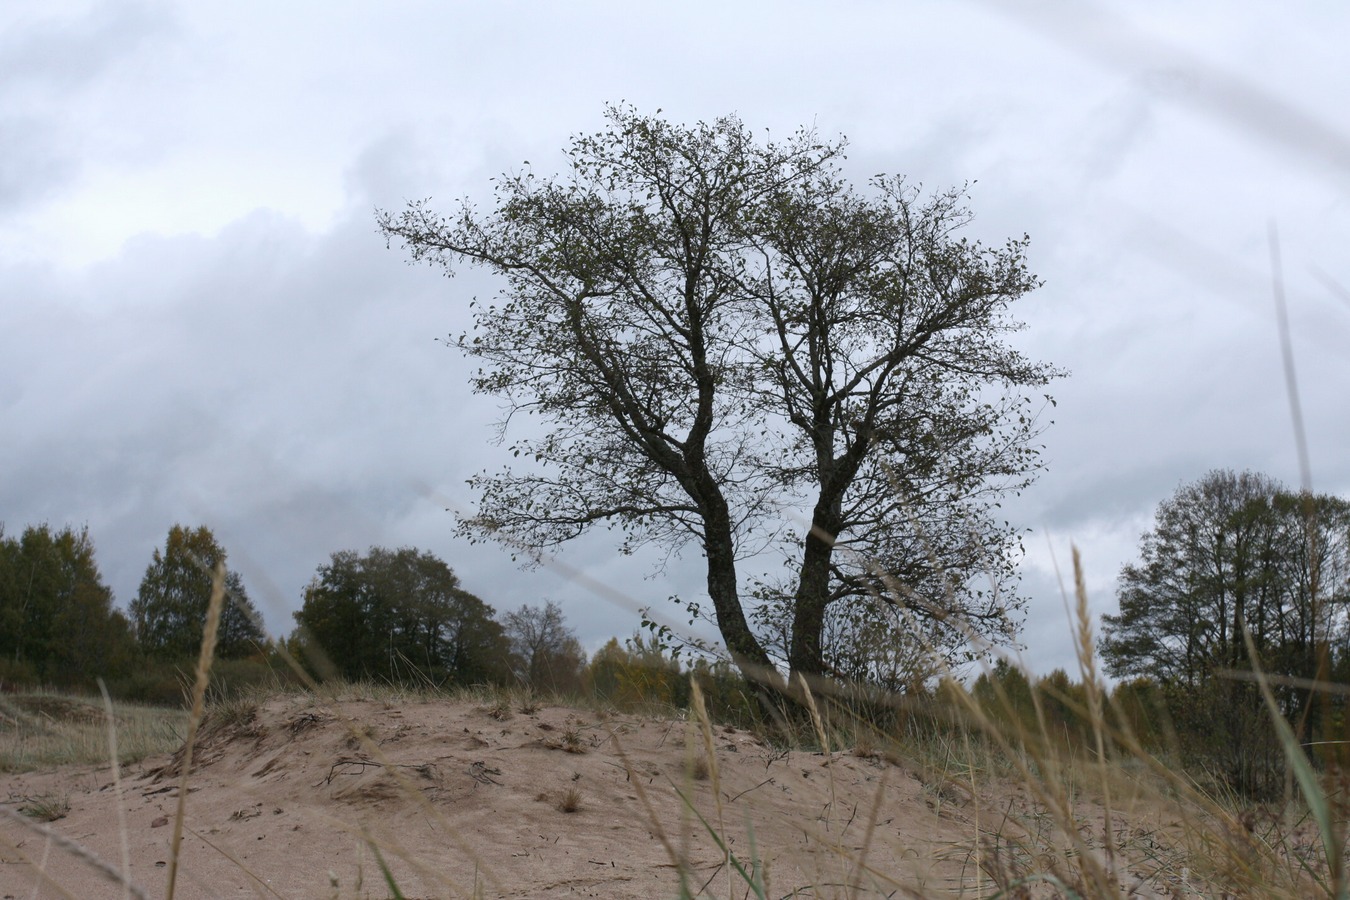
(401, 615)
(57, 620)
(1227, 553)
(170, 607)
(1229, 549)
(720, 338)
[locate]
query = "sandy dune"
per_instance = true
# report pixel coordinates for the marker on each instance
(466, 800)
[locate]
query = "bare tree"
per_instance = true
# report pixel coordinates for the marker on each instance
(722, 335)
(548, 654)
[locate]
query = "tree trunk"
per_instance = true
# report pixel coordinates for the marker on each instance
(805, 655)
(746, 651)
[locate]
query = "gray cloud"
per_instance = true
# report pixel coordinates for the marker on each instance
(32, 162)
(268, 368)
(44, 62)
(56, 54)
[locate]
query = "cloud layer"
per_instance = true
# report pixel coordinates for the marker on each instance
(199, 324)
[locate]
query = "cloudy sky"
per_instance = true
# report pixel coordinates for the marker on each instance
(200, 324)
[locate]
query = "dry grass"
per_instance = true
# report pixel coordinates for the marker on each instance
(42, 730)
(1067, 822)
(569, 801)
(47, 808)
(571, 740)
(1100, 821)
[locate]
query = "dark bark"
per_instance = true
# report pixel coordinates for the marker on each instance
(746, 651)
(805, 655)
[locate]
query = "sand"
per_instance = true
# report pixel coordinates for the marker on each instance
(303, 798)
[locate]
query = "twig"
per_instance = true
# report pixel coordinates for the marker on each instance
(749, 789)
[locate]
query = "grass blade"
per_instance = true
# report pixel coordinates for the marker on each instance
(198, 702)
(750, 879)
(384, 870)
(1313, 794)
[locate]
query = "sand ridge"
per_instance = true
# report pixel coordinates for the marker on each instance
(295, 797)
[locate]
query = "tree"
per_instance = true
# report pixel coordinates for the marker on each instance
(719, 335)
(1233, 549)
(400, 615)
(638, 674)
(1227, 553)
(1140, 710)
(169, 611)
(548, 655)
(57, 620)
(1004, 693)
(871, 640)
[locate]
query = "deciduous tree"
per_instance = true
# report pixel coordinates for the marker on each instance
(1236, 551)
(547, 653)
(401, 615)
(169, 611)
(637, 674)
(57, 619)
(721, 337)
(1226, 550)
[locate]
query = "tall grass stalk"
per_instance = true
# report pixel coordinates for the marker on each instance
(1332, 844)
(116, 761)
(710, 754)
(204, 659)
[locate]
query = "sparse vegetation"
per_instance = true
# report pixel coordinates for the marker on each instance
(529, 702)
(570, 800)
(1066, 822)
(40, 730)
(1068, 819)
(571, 740)
(47, 808)
(1056, 786)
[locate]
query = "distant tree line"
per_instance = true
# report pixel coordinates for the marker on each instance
(389, 615)
(57, 618)
(1239, 579)
(395, 616)
(1237, 576)
(398, 615)
(59, 626)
